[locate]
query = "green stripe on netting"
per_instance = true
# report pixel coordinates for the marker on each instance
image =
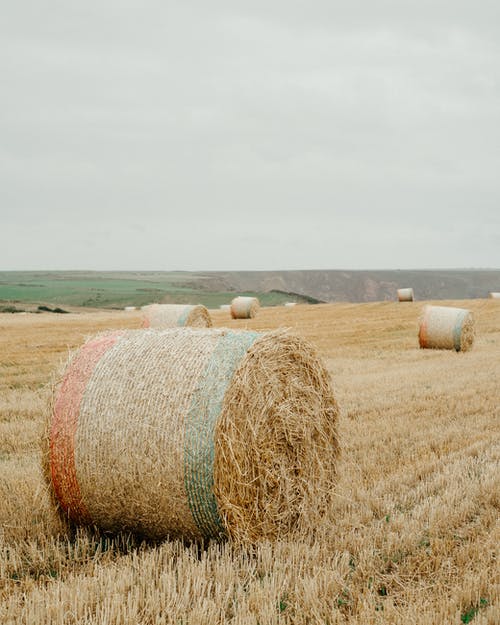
(181, 321)
(457, 330)
(200, 422)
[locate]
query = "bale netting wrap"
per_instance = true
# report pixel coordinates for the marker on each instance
(244, 307)
(445, 327)
(171, 315)
(405, 295)
(194, 433)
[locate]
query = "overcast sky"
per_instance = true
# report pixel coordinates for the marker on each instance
(268, 134)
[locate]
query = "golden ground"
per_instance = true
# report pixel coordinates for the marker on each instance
(412, 536)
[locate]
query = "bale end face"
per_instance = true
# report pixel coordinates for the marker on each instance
(276, 441)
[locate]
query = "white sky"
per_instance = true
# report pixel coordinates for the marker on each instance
(249, 135)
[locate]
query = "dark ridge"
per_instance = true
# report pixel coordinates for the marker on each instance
(298, 297)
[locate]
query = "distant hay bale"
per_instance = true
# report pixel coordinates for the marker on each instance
(290, 304)
(494, 295)
(244, 307)
(129, 308)
(172, 315)
(194, 433)
(405, 295)
(445, 327)
(225, 307)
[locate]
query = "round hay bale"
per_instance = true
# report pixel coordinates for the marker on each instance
(172, 315)
(129, 308)
(494, 295)
(244, 307)
(195, 433)
(225, 307)
(290, 304)
(445, 327)
(405, 295)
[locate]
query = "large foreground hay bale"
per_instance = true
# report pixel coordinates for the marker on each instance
(244, 307)
(445, 327)
(494, 295)
(196, 433)
(405, 295)
(172, 315)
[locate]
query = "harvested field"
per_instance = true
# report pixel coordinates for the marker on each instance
(412, 534)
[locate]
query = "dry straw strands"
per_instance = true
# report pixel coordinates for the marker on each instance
(171, 315)
(405, 295)
(494, 295)
(444, 327)
(199, 433)
(244, 307)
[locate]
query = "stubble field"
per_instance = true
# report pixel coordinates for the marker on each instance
(413, 532)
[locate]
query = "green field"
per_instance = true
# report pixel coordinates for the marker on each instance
(120, 289)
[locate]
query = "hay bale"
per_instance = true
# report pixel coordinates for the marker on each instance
(129, 308)
(225, 307)
(244, 307)
(172, 315)
(445, 327)
(405, 295)
(196, 433)
(494, 295)
(290, 304)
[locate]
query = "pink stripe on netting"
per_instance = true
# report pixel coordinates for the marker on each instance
(65, 422)
(422, 334)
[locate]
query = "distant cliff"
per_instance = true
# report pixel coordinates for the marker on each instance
(362, 286)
